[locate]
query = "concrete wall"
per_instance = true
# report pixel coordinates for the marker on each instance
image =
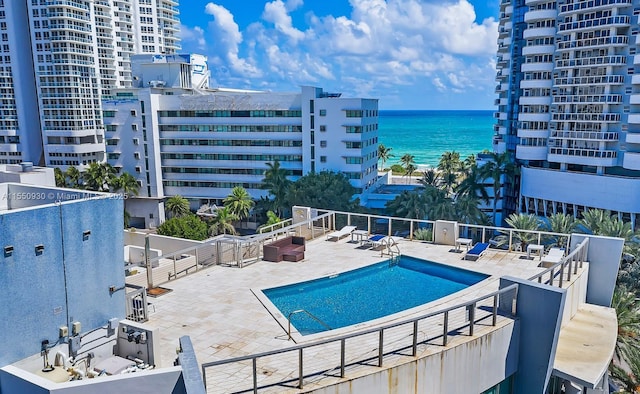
(577, 188)
(160, 242)
(159, 381)
(445, 232)
(484, 360)
(539, 311)
(69, 281)
(604, 256)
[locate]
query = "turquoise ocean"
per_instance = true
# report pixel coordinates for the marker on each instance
(427, 134)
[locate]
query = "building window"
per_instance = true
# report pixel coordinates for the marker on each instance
(134, 127)
(323, 128)
(323, 144)
(323, 112)
(133, 112)
(323, 159)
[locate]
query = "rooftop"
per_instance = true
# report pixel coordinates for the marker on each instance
(218, 308)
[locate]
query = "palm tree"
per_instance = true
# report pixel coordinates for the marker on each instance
(499, 169)
(239, 202)
(61, 179)
(467, 211)
(449, 166)
(468, 163)
(430, 178)
(384, 154)
(223, 222)
(593, 218)
(449, 162)
(408, 164)
(438, 204)
(560, 223)
(521, 221)
(99, 176)
(74, 177)
(627, 307)
(275, 180)
(472, 185)
(177, 206)
(409, 204)
(628, 378)
(126, 184)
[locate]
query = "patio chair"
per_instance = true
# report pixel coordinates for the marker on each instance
(477, 251)
(343, 232)
(554, 256)
(375, 240)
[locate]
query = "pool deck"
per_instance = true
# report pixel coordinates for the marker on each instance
(218, 310)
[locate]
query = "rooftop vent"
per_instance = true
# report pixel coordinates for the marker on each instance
(27, 166)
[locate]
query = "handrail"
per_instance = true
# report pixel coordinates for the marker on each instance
(469, 305)
(579, 253)
(314, 317)
(389, 242)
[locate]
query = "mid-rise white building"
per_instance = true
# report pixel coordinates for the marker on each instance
(58, 58)
(569, 105)
(178, 137)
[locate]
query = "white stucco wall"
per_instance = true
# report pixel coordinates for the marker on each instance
(596, 191)
(483, 361)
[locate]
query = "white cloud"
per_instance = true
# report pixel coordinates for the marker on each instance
(455, 25)
(195, 35)
(377, 48)
(226, 35)
(277, 13)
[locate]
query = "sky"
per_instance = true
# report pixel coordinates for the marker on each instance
(409, 54)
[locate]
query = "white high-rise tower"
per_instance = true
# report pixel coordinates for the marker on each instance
(569, 105)
(58, 58)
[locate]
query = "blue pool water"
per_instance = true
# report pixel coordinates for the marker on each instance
(369, 293)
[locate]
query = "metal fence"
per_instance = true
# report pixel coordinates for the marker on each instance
(454, 320)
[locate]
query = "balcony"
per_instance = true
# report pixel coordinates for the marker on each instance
(633, 138)
(548, 66)
(537, 15)
(634, 118)
(631, 160)
(612, 21)
(539, 32)
(524, 152)
(534, 117)
(533, 133)
(535, 100)
(538, 49)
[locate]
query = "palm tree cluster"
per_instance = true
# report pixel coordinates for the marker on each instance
(454, 189)
(99, 177)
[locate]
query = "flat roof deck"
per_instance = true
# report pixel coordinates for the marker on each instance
(218, 310)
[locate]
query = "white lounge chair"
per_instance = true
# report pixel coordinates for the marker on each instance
(343, 232)
(554, 256)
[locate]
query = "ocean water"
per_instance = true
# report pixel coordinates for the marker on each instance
(427, 134)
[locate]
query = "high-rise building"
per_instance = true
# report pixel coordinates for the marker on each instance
(179, 137)
(569, 105)
(58, 58)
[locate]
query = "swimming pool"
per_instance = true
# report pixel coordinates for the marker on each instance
(368, 293)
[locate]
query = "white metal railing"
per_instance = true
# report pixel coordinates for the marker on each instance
(485, 307)
(566, 267)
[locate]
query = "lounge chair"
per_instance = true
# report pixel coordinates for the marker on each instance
(375, 240)
(343, 232)
(477, 251)
(554, 256)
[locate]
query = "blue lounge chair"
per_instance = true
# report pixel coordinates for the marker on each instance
(375, 240)
(477, 251)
